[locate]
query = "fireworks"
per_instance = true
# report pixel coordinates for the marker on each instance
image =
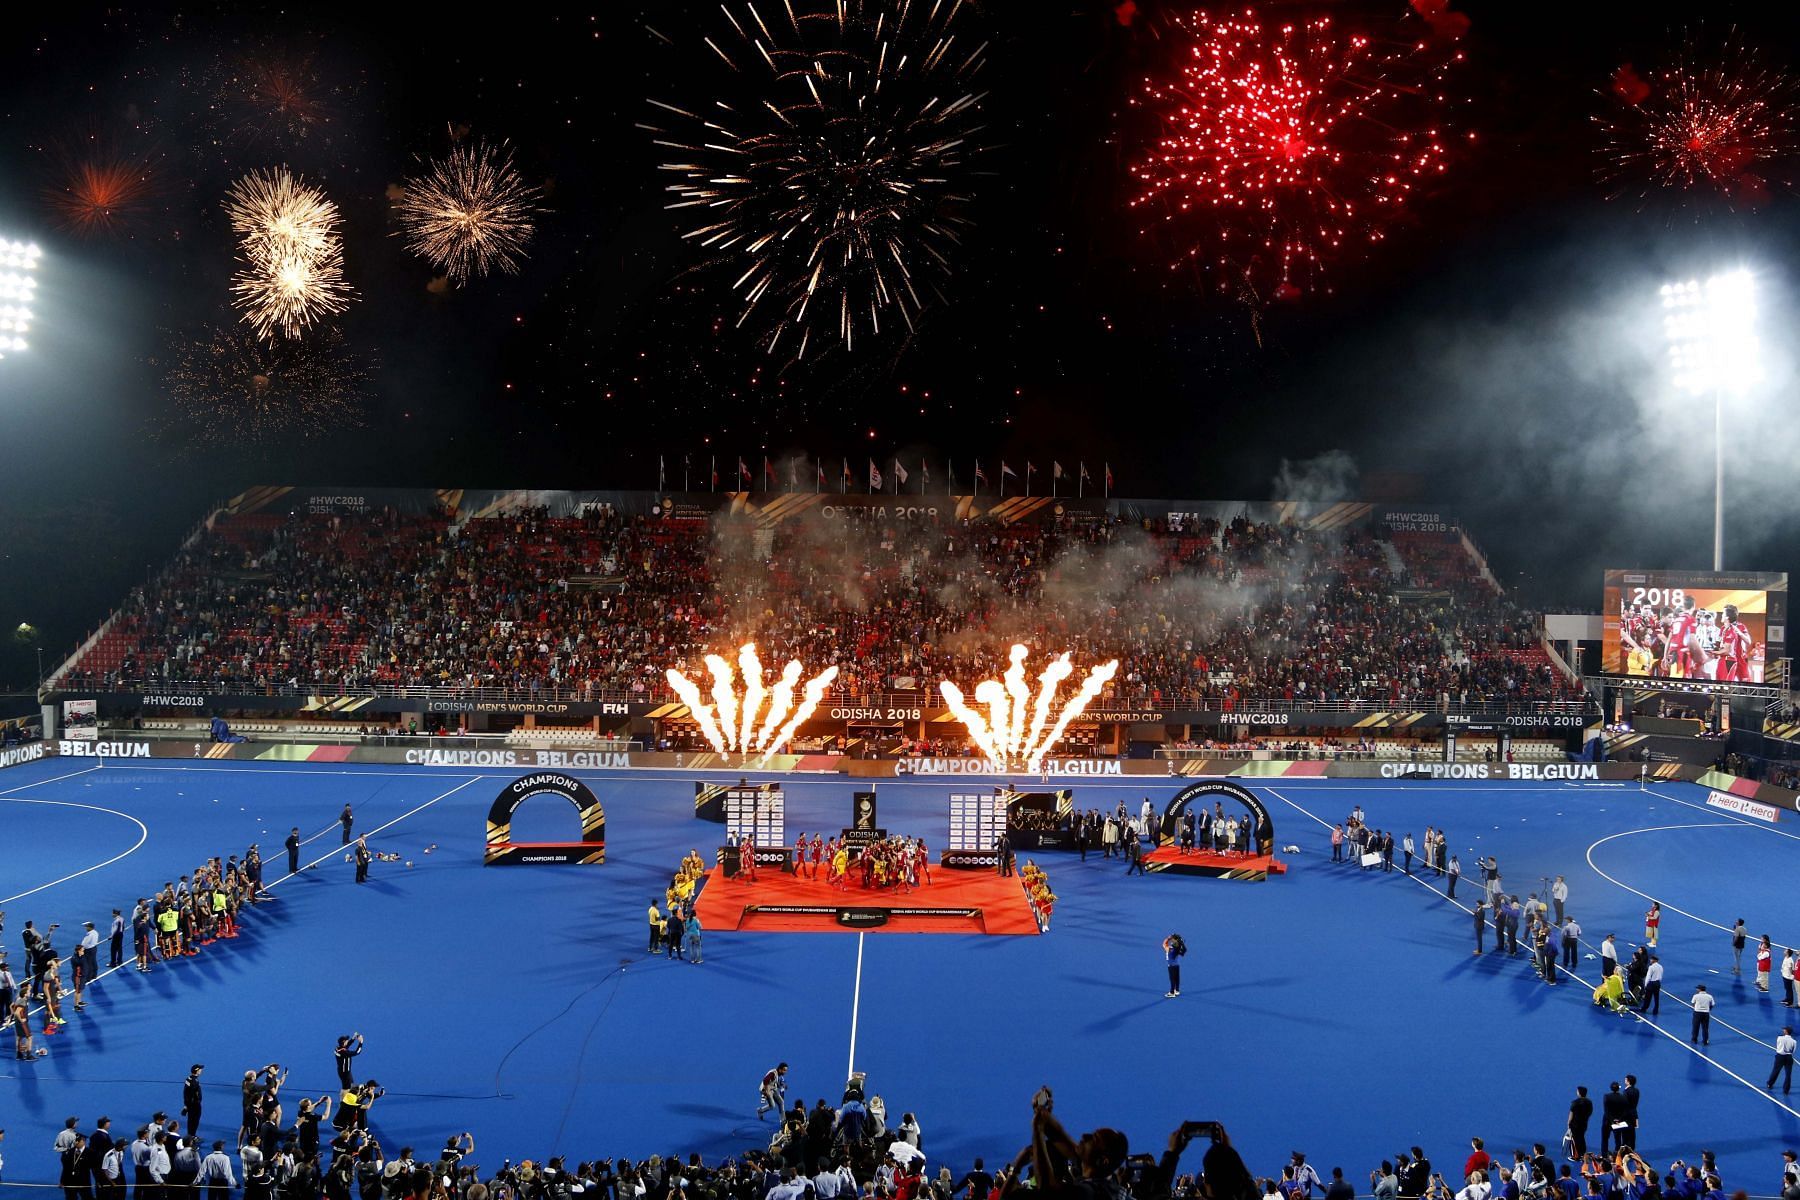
(231, 388)
(1015, 729)
(269, 93)
(291, 257)
(762, 720)
(102, 195)
(1724, 122)
(470, 213)
(833, 181)
(1285, 145)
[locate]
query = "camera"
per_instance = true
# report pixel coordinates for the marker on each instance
(1193, 1129)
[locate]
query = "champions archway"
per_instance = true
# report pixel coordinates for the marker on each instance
(1208, 792)
(503, 851)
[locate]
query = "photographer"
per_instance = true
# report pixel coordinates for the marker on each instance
(1064, 1169)
(1174, 950)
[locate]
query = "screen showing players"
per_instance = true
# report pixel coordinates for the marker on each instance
(1693, 625)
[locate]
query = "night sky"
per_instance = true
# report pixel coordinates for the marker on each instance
(1498, 354)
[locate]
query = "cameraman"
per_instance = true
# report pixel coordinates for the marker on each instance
(1174, 949)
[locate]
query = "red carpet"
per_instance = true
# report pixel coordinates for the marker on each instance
(999, 899)
(1205, 862)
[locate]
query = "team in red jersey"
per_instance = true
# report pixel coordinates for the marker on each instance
(1688, 641)
(1737, 645)
(896, 862)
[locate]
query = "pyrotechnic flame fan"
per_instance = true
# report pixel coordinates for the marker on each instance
(1016, 730)
(759, 720)
(1285, 144)
(833, 176)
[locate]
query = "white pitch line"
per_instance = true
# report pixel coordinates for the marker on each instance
(275, 766)
(52, 779)
(1635, 1015)
(855, 1004)
(133, 962)
(143, 836)
(1646, 895)
(409, 812)
(1725, 814)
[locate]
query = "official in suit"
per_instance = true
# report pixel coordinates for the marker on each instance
(1581, 1111)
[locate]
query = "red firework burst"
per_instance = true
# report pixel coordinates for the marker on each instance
(1724, 122)
(1286, 144)
(103, 194)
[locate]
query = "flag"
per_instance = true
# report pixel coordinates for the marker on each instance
(769, 471)
(1006, 470)
(924, 470)
(662, 471)
(844, 480)
(744, 475)
(1084, 473)
(979, 477)
(899, 473)
(715, 472)
(820, 481)
(1107, 467)
(1082, 480)
(1056, 471)
(1029, 469)
(874, 476)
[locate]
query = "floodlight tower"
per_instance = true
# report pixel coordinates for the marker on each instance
(1711, 330)
(18, 288)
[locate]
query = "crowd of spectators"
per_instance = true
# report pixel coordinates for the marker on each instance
(1207, 615)
(849, 1151)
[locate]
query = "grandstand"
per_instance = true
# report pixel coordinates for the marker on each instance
(415, 601)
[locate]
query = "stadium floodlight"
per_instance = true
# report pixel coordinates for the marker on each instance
(18, 289)
(1711, 331)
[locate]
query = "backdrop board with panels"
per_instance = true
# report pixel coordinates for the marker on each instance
(976, 820)
(757, 811)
